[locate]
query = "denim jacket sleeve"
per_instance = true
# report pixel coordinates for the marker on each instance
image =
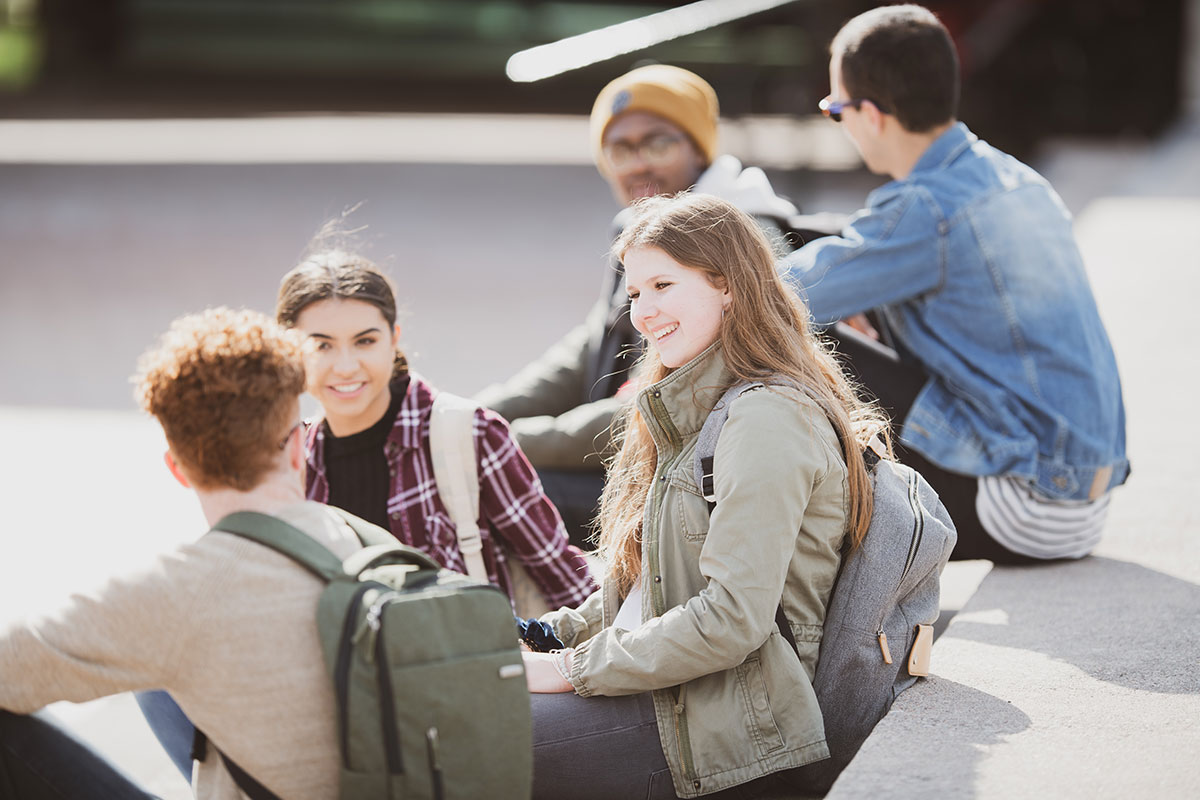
(890, 251)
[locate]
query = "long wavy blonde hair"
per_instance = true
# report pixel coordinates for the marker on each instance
(765, 336)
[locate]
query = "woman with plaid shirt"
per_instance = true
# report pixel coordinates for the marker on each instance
(369, 453)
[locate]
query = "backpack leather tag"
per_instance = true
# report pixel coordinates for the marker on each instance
(918, 659)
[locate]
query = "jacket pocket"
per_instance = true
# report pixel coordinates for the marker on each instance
(691, 511)
(759, 719)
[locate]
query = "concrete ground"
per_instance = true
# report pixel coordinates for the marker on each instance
(96, 259)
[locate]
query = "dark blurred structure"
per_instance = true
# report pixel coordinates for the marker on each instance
(1032, 68)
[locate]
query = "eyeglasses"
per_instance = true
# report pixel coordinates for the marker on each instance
(834, 108)
(288, 438)
(656, 150)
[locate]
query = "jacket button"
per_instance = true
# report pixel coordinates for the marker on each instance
(657, 393)
(662, 479)
(658, 578)
(679, 708)
(695, 784)
(1060, 481)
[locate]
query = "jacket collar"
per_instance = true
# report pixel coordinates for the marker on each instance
(946, 148)
(680, 402)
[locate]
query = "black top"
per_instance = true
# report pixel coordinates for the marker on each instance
(357, 465)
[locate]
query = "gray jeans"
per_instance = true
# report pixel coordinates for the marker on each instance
(598, 748)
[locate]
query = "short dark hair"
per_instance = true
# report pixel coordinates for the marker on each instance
(334, 275)
(902, 59)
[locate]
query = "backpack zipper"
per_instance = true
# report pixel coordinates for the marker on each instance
(387, 708)
(341, 672)
(435, 766)
(918, 526)
(914, 544)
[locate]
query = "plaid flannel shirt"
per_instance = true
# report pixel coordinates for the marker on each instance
(512, 506)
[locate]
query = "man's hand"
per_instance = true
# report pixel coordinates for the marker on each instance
(863, 325)
(542, 676)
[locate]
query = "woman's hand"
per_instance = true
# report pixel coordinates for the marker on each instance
(542, 676)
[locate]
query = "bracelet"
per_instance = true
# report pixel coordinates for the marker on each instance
(562, 664)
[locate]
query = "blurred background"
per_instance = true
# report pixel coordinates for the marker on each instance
(161, 155)
(1032, 68)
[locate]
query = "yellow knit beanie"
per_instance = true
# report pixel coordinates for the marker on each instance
(675, 94)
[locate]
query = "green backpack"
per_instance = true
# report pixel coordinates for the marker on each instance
(429, 682)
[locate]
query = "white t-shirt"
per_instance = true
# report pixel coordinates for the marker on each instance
(629, 615)
(1029, 523)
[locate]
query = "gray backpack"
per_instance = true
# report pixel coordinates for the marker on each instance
(879, 625)
(429, 683)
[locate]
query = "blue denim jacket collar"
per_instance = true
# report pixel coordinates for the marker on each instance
(945, 148)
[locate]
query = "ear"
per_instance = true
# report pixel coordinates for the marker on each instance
(875, 118)
(396, 332)
(176, 471)
(296, 449)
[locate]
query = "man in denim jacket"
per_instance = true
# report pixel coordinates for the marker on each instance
(987, 346)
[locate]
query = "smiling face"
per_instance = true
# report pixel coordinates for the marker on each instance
(649, 155)
(349, 353)
(674, 306)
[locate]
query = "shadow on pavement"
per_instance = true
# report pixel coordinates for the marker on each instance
(1119, 622)
(948, 759)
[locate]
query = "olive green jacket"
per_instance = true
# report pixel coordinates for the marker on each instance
(733, 702)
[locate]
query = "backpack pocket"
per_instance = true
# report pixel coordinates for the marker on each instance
(447, 740)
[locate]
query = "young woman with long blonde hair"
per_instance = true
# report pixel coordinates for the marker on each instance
(701, 692)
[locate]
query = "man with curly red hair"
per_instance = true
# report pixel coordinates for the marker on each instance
(224, 624)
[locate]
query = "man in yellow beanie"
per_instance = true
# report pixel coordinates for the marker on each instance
(653, 131)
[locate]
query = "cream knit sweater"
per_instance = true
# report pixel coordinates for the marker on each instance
(225, 625)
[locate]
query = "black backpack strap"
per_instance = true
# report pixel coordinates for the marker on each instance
(287, 539)
(785, 628)
(199, 744)
(706, 442)
(244, 780)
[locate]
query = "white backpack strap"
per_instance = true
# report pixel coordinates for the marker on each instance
(456, 471)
